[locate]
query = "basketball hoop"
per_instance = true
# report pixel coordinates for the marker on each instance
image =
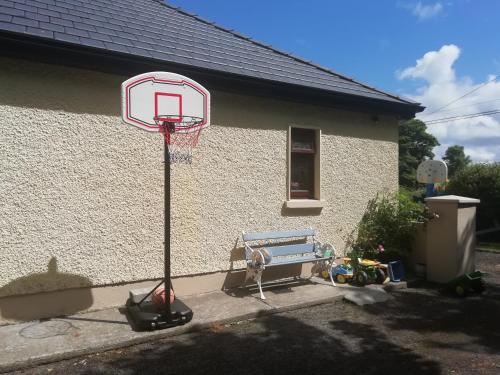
(181, 134)
(158, 102)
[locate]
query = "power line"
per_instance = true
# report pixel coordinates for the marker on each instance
(473, 104)
(462, 117)
(472, 115)
(463, 96)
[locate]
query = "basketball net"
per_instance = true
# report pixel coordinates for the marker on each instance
(180, 136)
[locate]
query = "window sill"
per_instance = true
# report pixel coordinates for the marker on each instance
(304, 203)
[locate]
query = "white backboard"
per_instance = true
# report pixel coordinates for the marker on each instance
(164, 96)
(432, 171)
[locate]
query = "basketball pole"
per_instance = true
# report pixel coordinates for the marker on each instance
(166, 182)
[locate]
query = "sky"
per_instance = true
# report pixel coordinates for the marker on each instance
(431, 51)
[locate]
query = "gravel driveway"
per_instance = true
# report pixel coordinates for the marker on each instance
(419, 331)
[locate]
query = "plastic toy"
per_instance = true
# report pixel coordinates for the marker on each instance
(396, 270)
(343, 272)
(368, 272)
(470, 282)
(327, 250)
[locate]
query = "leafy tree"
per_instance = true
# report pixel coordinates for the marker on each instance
(415, 146)
(456, 159)
(481, 181)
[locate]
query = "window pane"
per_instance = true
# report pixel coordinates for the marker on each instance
(302, 176)
(303, 140)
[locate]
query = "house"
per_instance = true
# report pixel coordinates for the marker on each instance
(82, 193)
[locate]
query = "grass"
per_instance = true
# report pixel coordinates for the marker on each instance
(492, 246)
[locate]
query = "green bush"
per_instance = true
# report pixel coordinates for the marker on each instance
(388, 227)
(481, 181)
(416, 195)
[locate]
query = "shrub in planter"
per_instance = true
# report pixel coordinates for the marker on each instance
(388, 227)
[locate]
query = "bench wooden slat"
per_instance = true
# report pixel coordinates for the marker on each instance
(296, 249)
(303, 259)
(255, 236)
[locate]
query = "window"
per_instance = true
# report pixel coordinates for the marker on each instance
(304, 163)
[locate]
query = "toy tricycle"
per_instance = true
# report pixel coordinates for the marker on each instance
(342, 273)
(368, 272)
(470, 282)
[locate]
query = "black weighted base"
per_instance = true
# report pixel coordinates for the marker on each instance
(146, 317)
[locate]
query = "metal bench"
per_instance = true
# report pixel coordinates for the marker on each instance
(267, 249)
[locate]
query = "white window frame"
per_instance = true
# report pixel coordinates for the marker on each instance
(316, 202)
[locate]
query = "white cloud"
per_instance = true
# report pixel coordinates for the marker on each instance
(424, 12)
(480, 153)
(440, 85)
(434, 66)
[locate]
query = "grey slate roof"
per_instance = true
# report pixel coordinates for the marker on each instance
(155, 30)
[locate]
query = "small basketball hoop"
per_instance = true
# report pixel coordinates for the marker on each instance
(181, 134)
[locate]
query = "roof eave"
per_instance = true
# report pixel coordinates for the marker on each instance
(49, 50)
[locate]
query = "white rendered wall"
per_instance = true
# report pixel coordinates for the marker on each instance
(82, 194)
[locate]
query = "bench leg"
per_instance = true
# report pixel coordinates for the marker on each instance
(258, 278)
(332, 264)
(250, 274)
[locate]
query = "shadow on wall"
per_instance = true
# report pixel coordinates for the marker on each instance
(42, 304)
(467, 240)
(290, 212)
(56, 88)
(235, 276)
(84, 91)
(253, 112)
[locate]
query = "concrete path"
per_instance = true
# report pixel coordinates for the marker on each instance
(367, 296)
(33, 343)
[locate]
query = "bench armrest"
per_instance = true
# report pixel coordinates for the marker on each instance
(321, 248)
(248, 252)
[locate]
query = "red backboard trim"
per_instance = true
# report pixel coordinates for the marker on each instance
(158, 114)
(154, 79)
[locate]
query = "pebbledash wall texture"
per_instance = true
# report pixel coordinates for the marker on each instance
(82, 193)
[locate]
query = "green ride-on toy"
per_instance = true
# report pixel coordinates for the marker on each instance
(470, 282)
(343, 273)
(368, 272)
